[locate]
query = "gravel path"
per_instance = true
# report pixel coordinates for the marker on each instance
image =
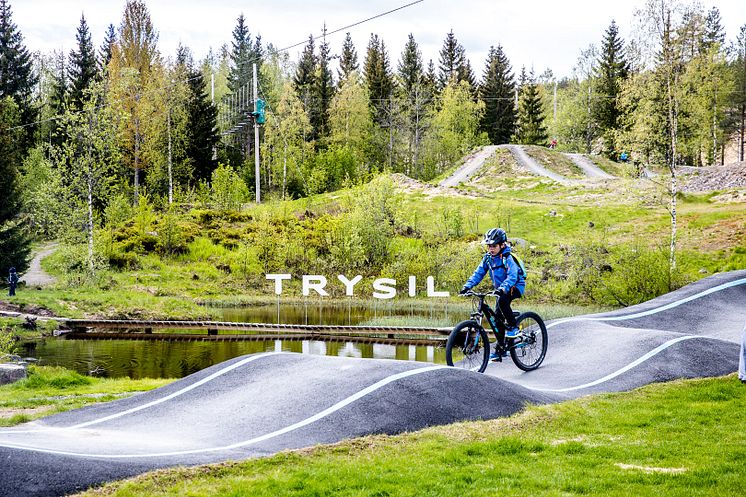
(529, 163)
(36, 276)
(471, 165)
(589, 168)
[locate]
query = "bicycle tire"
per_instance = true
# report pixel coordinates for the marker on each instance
(531, 351)
(460, 350)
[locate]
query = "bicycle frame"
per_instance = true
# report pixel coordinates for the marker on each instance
(496, 322)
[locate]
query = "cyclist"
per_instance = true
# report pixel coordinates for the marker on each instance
(507, 277)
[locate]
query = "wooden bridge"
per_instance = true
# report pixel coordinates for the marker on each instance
(125, 329)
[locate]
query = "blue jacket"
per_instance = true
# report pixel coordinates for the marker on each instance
(503, 269)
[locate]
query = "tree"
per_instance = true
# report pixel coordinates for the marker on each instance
(14, 243)
(497, 92)
(378, 78)
(530, 128)
(58, 100)
(739, 97)
(348, 59)
(202, 128)
(82, 66)
(416, 96)
(455, 129)
(323, 91)
(17, 78)
(132, 61)
(92, 148)
(453, 63)
(243, 55)
(611, 71)
(110, 39)
(285, 148)
(304, 82)
(350, 122)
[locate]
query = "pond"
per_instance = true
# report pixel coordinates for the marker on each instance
(176, 359)
(163, 359)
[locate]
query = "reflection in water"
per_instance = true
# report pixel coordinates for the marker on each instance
(162, 359)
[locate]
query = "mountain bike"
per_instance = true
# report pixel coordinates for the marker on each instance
(468, 345)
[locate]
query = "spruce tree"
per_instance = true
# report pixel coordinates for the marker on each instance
(714, 31)
(110, 39)
(14, 243)
(454, 64)
(348, 59)
(203, 126)
(530, 128)
(323, 90)
(611, 72)
(378, 78)
(58, 100)
(304, 81)
(241, 70)
(410, 70)
(416, 95)
(497, 91)
(17, 78)
(82, 66)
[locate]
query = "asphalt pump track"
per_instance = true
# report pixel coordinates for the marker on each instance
(260, 404)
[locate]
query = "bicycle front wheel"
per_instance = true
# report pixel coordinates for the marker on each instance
(530, 348)
(468, 347)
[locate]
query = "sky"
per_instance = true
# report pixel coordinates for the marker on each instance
(537, 34)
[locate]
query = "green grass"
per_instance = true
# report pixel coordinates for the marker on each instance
(48, 390)
(682, 438)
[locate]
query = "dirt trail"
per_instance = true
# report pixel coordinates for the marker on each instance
(529, 163)
(36, 276)
(589, 168)
(471, 165)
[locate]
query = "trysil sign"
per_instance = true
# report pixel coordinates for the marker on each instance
(383, 288)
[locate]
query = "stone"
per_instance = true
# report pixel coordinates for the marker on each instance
(10, 373)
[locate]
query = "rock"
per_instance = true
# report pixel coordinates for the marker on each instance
(591, 224)
(10, 373)
(703, 271)
(552, 213)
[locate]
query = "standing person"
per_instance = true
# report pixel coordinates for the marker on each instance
(742, 358)
(12, 281)
(508, 278)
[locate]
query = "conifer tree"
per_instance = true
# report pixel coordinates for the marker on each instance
(416, 96)
(497, 91)
(530, 128)
(110, 38)
(82, 66)
(17, 78)
(348, 59)
(714, 31)
(202, 136)
(14, 243)
(58, 99)
(304, 81)
(378, 78)
(453, 63)
(612, 70)
(323, 90)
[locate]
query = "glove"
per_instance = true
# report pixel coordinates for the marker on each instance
(464, 290)
(501, 291)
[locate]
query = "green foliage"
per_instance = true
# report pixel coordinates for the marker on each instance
(229, 191)
(8, 342)
(497, 90)
(52, 377)
(530, 127)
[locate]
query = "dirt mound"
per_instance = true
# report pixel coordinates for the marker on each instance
(410, 185)
(706, 179)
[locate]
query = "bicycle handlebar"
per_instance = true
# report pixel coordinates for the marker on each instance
(471, 293)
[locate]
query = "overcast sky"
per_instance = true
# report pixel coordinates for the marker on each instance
(536, 33)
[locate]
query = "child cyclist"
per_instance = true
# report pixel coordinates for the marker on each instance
(507, 276)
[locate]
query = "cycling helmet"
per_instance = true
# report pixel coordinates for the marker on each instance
(495, 236)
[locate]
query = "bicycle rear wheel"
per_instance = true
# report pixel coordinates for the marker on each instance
(530, 347)
(468, 347)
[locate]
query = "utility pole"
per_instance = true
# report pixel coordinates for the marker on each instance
(256, 141)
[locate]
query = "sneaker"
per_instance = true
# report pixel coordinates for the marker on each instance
(495, 356)
(512, 332)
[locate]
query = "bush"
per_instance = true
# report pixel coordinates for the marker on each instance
(54, 377)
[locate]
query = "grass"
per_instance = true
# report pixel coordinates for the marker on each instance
(682, 438)
(49, 390)
(555, 161)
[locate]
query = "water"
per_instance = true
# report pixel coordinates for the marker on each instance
(162, 359)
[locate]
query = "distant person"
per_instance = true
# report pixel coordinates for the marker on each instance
(507, 277)
(742, 357)
(12, 282)
(553, 144)
(624, 157)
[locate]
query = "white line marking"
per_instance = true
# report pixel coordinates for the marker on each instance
(656, 310)
(626, 368)
(149, 404)
(300, 424)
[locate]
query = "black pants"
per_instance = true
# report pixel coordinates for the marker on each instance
(503, 303)
(12, 290)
